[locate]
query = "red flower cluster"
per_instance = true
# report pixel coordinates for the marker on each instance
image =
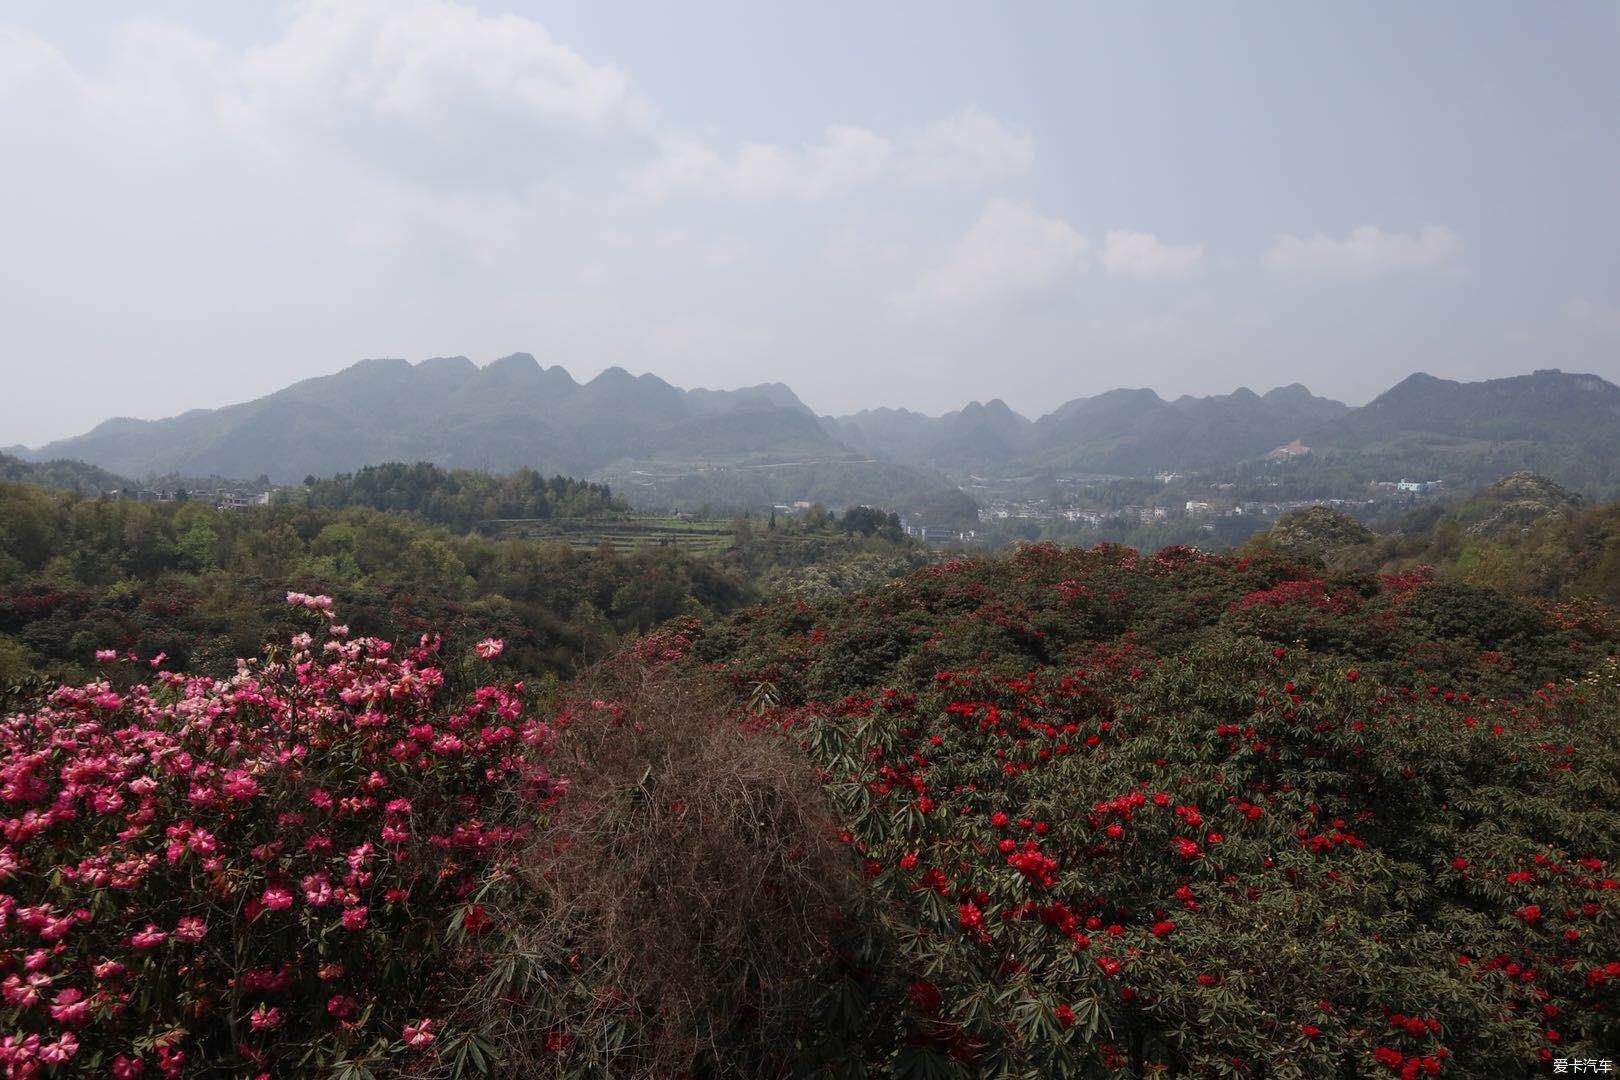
(1197, 767)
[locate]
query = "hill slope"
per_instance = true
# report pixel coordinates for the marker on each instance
(1566, 426)
(60, 473)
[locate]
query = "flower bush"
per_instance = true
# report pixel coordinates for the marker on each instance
(1067, 813)
(265, 874)
(1211, 816)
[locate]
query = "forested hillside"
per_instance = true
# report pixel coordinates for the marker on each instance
(396, 545)
(1524, 534)
(60, 473)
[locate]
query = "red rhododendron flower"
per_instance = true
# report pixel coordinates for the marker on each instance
(475, 920)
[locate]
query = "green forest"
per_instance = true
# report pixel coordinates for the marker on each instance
(400, 547)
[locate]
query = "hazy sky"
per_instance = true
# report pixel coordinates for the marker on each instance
(893, 203)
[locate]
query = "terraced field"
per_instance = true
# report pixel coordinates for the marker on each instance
(624, 534)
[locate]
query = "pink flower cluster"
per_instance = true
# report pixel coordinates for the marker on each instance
(249, 870)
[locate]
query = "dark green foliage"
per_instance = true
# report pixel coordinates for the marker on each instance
(204, 586)
(60, 473)
(1523, 534)
(462, 498)
(868, 521)
(1316, 531)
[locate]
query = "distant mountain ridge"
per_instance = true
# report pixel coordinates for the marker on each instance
(1125, 431)
(1559, 424)
(640, 431)
(508, 414)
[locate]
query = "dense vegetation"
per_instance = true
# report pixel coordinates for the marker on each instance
(830, 806)
(1221, 816)
(60, 473)
(201, 585)
(1523, 534)
(462, 498)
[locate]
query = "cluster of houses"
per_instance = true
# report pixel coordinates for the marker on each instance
(1410, 487)
(939, 534)
(1091, 516)
(218, 498)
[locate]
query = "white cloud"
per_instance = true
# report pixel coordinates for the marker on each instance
(1366, 252)
(431, 63)
(847, 158)
(425, 92)
(1145, 257)
(1012, 250)
(971, 148)
(436, 92)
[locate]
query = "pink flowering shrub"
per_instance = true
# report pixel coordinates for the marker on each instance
(266, 874)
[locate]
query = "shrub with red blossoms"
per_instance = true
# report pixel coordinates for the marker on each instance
(1292, 827)
(260, 875)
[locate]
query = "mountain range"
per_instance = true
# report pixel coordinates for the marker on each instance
(1121, 431)
(510, 413)
(762, 443)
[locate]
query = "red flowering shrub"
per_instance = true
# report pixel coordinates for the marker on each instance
(259, 875)
(1161, 836)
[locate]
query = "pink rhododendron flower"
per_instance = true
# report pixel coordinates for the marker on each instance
(419, 1034)
(265, 1017)
(61, 1051)
(150, 938)
(70, 1008)
(277, 898)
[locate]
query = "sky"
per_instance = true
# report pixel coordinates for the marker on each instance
(909, 203)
